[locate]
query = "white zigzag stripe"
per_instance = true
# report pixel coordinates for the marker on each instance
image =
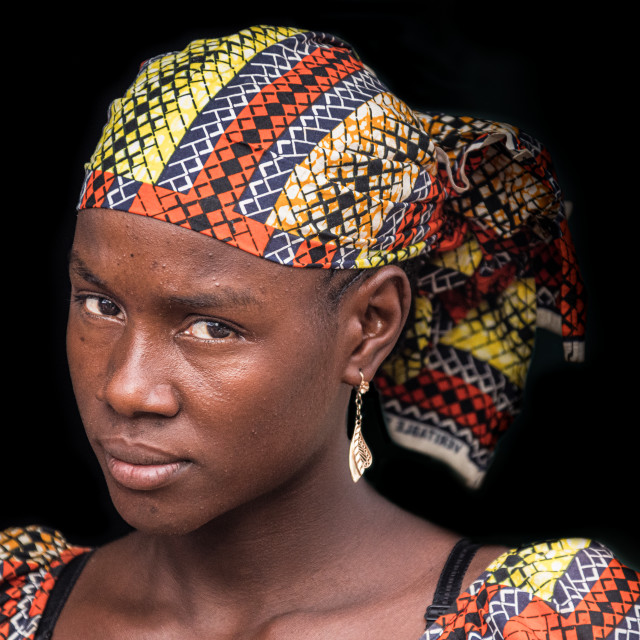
(23, 625)
(629, 629)
(434, 420)
(447, 360)
(571, 589)
(121, 191)
(299, 140)
(293, 146)
(233, 98)
(267, 67)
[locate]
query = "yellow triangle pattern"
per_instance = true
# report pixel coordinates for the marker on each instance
(166, 97)
(466, 258)
(491, 333)
(42, 545)
(536, 569)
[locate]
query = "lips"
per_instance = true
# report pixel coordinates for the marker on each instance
(141, 467)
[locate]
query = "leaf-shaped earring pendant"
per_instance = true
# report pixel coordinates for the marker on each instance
(359, 454)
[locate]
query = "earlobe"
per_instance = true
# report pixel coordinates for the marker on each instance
(379, 309)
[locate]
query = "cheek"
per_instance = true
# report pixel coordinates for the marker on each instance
(88, 353)
(248, 433)
(269, 413)
(80, 360)
(250, 418)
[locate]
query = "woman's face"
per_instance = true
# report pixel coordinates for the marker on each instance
(205, 377)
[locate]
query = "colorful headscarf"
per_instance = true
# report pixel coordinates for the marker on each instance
(281, 142)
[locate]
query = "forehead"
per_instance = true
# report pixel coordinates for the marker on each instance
(124, 246)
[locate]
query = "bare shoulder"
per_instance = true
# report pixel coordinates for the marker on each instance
(107, 584)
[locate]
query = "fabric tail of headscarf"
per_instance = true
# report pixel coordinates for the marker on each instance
(503, 265)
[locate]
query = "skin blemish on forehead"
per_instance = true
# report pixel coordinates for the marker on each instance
(203, 275)
(228, 297)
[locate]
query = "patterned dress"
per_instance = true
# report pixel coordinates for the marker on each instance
(570, 589)
(31, 561)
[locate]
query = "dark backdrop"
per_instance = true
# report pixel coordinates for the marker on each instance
(569, 467)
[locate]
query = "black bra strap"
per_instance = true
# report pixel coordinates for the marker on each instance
(451, 578)
(59, 594)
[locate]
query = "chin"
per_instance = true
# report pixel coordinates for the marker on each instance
(152, 513)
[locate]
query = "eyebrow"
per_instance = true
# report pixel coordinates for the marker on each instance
(226, 297)
(77, 264)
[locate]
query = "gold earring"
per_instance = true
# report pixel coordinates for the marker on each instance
(359, 454)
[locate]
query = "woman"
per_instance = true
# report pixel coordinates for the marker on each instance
(213, 377)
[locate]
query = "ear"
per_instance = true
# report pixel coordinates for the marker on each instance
(376, 313)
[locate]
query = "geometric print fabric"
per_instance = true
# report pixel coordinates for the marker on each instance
(147, 124)
(487, 293)
(569, 588)
(31, 559)
(224, 154)
(279, 142)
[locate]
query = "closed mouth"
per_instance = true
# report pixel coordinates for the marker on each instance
(142, 467)
(144, 477)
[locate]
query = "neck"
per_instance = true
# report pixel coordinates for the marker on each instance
(271, 550)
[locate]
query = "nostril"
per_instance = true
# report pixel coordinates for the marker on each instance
(140, 397)
(163, 400)
(138, 384)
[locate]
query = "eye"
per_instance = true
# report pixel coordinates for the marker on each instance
(101, 307)
(209, 330)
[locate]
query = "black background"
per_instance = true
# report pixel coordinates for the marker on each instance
(569, 466)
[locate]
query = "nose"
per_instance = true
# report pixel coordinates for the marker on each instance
(139, 378)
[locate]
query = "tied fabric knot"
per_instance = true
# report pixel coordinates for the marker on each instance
(502, 265)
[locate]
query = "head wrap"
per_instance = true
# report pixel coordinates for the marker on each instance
(281, 142)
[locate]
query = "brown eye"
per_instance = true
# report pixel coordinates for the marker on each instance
(102, 307)
(209, 330)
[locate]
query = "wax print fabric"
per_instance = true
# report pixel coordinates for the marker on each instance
(282, 143)
(569, 588)
(564, 589)
(31, 560)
